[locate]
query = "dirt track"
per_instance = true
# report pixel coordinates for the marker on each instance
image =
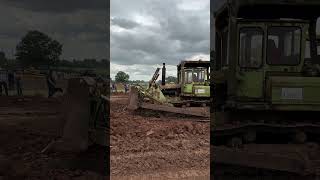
(164, 146)
(140, 146)
(26, 127)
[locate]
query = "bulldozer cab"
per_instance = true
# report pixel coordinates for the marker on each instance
(257, 41)
(193, 74)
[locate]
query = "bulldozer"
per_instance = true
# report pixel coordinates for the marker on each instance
(266, 105)
(84, 116)
(153, 98)
(193, 86)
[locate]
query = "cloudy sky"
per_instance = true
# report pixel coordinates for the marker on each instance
(80, 25)
(145, 33)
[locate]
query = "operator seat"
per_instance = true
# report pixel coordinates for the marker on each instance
(273, 53)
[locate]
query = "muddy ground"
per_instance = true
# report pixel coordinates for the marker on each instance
(142, 145)
(27, 126)
(145, 145)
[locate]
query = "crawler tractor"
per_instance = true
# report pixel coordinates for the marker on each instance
(266, 83)
(193, 86)
(153, 98)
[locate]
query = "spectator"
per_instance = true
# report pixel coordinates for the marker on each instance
(18, 79)
(126, 88)
(113, 87)
(4, 81)
(51, 81)
(11, 80)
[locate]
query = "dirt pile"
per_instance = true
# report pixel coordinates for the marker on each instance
(152, 145)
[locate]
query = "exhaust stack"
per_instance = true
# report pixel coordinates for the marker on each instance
(163, 74)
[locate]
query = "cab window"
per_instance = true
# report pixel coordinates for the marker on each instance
(251, 47)
(197, 75)
(188, 76)
(283, 46)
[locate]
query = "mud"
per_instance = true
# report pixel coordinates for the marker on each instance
(27, 126)
(141, 146)
(164, 146)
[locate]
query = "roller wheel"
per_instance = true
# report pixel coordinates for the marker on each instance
(235, 142)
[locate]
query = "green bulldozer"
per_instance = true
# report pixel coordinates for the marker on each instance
(193, 86)
(266, 82)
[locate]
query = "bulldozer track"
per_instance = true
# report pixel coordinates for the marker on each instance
(284, 157)
(263, 127)
(192, 102)
(273, 127)
(232, 172)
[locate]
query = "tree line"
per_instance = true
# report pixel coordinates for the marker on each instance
(85, 63)
(122, 77)
(37, 49)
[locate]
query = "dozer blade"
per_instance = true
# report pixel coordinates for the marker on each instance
(75, 119)
(135, 103)
(177, 110)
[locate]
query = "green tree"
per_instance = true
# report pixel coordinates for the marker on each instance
(38, 49)
(122, 77)
(170, 79)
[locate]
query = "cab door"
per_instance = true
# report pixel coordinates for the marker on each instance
(250, 74)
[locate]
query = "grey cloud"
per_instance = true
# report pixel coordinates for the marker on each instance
(123, 56)
(83, 33)
(173, 35)
(58, 5)
(134, 57)
(196, 47)
(152, 44)
(187, 27)
(124, 23)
